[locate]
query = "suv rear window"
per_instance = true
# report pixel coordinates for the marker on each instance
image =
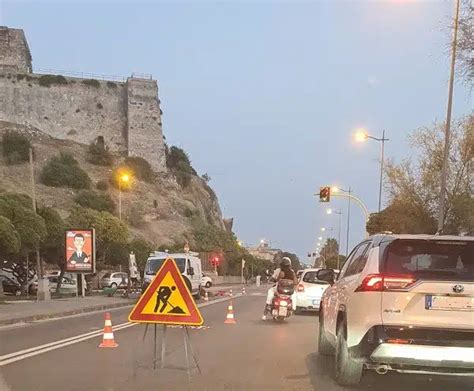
(431, 259)
(311, 277)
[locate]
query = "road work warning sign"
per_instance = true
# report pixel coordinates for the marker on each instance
(167, 300)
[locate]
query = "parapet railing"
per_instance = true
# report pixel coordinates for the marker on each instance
(82, 75)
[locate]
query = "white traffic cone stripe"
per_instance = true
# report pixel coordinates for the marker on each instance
(108, 322)
(230, 316)
(108, 335)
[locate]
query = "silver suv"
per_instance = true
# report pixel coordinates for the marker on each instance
(401, 303)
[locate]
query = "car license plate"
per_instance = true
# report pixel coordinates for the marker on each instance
(282, 311)
(449, 303)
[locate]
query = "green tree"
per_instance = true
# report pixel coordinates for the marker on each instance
(10, 241)
(414, 185)
(465, 59)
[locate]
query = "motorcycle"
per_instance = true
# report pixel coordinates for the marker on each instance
(282, 304)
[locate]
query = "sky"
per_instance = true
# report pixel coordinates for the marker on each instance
(265, 96)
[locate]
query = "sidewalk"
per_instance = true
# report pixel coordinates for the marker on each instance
(11, 313)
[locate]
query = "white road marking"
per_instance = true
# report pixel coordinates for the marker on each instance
(26, 353)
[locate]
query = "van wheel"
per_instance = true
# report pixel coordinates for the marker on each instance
(348, 370)
(324, 346)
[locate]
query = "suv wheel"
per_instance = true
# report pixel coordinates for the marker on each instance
(113, 285)
(324, 347)
(348, 370)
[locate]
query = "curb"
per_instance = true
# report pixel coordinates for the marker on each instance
(32, 318)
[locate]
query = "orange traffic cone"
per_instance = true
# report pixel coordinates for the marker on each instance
(206, 297)
(108, 338)
(230, 314)
(243, 290)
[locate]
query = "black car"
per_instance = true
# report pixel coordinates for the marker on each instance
(10, 286)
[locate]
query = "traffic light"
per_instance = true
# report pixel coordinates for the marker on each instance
(324, 194)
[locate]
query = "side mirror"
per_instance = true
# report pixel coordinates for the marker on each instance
(327, 275)
(191, 271)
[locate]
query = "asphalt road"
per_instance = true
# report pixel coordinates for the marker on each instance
(250, 355)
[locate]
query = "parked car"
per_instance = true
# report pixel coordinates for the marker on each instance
(206, 281)
(68, 285)
(114, 280)
(309, 291)
(188, 264)
(9, 286)
(401, 303)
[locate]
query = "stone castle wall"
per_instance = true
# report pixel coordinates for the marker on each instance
(14, 52)
(126, 115)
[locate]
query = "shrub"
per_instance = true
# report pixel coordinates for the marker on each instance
(16, 148)
(183, 178)
(64, 170)
(178, 159)
(49, 80)
(140, 168)
(136, 214)
(111, 84)
(102, 185)
(91, 199)
(91, 82)
(98, 155)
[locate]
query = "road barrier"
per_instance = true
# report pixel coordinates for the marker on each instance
(108, 338)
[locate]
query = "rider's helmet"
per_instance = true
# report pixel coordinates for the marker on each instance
(285, 262)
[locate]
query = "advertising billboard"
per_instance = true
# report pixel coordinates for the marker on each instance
(80, 250)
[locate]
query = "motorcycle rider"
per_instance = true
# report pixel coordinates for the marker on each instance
(285, 272)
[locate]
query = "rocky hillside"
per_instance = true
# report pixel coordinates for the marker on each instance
(167, 209)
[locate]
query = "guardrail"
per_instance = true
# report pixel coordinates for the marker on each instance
(82, 75)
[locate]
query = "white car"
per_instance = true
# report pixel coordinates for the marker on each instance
(114, 280)
(309, 290)
(206, 281)
(401, 303)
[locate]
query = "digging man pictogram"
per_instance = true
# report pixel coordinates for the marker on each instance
(162, 297)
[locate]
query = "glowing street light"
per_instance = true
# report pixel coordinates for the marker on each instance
(361, 135)
(320, 238)
(323, 229)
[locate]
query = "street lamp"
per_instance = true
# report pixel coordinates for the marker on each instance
(360, 136)
(336, 190)
(122, 179)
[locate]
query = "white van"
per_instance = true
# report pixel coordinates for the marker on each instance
(188, 264)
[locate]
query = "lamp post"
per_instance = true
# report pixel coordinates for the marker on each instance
(447, 131)
(339, 213)
(361, 136)
(123, 178)
(348, 192)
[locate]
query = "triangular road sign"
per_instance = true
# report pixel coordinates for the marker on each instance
(167, 300)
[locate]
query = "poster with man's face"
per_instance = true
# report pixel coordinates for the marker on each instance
(80, 251)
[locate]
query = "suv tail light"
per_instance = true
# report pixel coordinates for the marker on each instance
(381, 282)
(300, 288)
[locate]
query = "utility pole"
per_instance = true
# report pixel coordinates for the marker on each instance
(382, 153)
(447, 132)
(348, 221)
(43, 290)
